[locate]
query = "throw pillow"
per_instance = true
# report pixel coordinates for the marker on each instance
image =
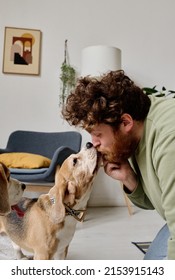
(24, 160)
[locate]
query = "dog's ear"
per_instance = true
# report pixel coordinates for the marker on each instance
(64, 187)
(4, 198)
(53, 203)
(53, 207)
(63, 192)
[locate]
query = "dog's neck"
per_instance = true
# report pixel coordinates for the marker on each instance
(18, 211)
(77, 214)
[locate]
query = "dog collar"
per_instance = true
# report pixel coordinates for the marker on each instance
(77, 214)
(18, 211)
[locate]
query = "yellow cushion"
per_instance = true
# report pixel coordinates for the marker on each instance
(24, 160)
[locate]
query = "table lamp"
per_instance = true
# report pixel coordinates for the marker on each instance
(97, 60)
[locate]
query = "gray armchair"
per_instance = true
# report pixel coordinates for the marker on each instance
(54, 145)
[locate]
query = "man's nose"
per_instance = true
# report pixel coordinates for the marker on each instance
(95, 142)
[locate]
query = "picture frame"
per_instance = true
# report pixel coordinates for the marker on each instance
(22, 50)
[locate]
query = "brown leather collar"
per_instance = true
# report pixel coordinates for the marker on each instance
(77, 214)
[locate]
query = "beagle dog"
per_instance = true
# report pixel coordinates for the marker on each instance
(49, 222)
(11, 190)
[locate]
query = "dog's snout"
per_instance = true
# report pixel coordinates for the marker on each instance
(23, 186)
(89, 145)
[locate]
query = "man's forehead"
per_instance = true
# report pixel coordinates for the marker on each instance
(94, 128)
(102, 128)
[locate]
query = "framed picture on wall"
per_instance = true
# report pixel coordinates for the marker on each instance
(22, 49)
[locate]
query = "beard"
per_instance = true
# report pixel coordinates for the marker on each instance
(122, 149)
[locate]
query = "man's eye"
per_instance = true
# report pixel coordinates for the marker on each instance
(98, 135)
(75, 161)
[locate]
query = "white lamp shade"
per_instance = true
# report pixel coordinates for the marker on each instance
(97, 60)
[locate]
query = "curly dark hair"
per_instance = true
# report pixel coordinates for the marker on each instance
(104, 100)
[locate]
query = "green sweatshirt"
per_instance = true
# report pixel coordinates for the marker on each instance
(154, 163)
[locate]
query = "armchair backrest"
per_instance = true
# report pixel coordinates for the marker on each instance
(43, 143)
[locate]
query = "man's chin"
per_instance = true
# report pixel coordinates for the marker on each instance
(109, 157)
(114, 158)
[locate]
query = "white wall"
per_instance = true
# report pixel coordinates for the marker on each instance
(142, 29)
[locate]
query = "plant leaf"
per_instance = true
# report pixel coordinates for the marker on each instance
(149, 91)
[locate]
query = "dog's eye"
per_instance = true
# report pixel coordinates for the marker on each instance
(75, 161)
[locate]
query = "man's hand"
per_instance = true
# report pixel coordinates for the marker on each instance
(123, 172)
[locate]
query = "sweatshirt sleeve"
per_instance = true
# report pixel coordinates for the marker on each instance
(139, 198)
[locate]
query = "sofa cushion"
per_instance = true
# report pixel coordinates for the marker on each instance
(24, 160)
(28, 171)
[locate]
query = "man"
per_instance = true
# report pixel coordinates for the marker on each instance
(136, 136)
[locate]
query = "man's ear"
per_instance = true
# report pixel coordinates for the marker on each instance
(127, 122)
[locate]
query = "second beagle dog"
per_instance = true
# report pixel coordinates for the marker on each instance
(11, 190)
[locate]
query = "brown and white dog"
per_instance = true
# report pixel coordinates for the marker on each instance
(11, 190)
(49, 223)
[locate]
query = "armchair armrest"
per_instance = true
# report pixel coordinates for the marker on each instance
(2, 151)
(59, 156)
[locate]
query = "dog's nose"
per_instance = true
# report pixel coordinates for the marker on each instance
(23, 186)
(89, 145)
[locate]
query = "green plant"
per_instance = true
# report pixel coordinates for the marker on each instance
(67, 77)
(159, 93)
